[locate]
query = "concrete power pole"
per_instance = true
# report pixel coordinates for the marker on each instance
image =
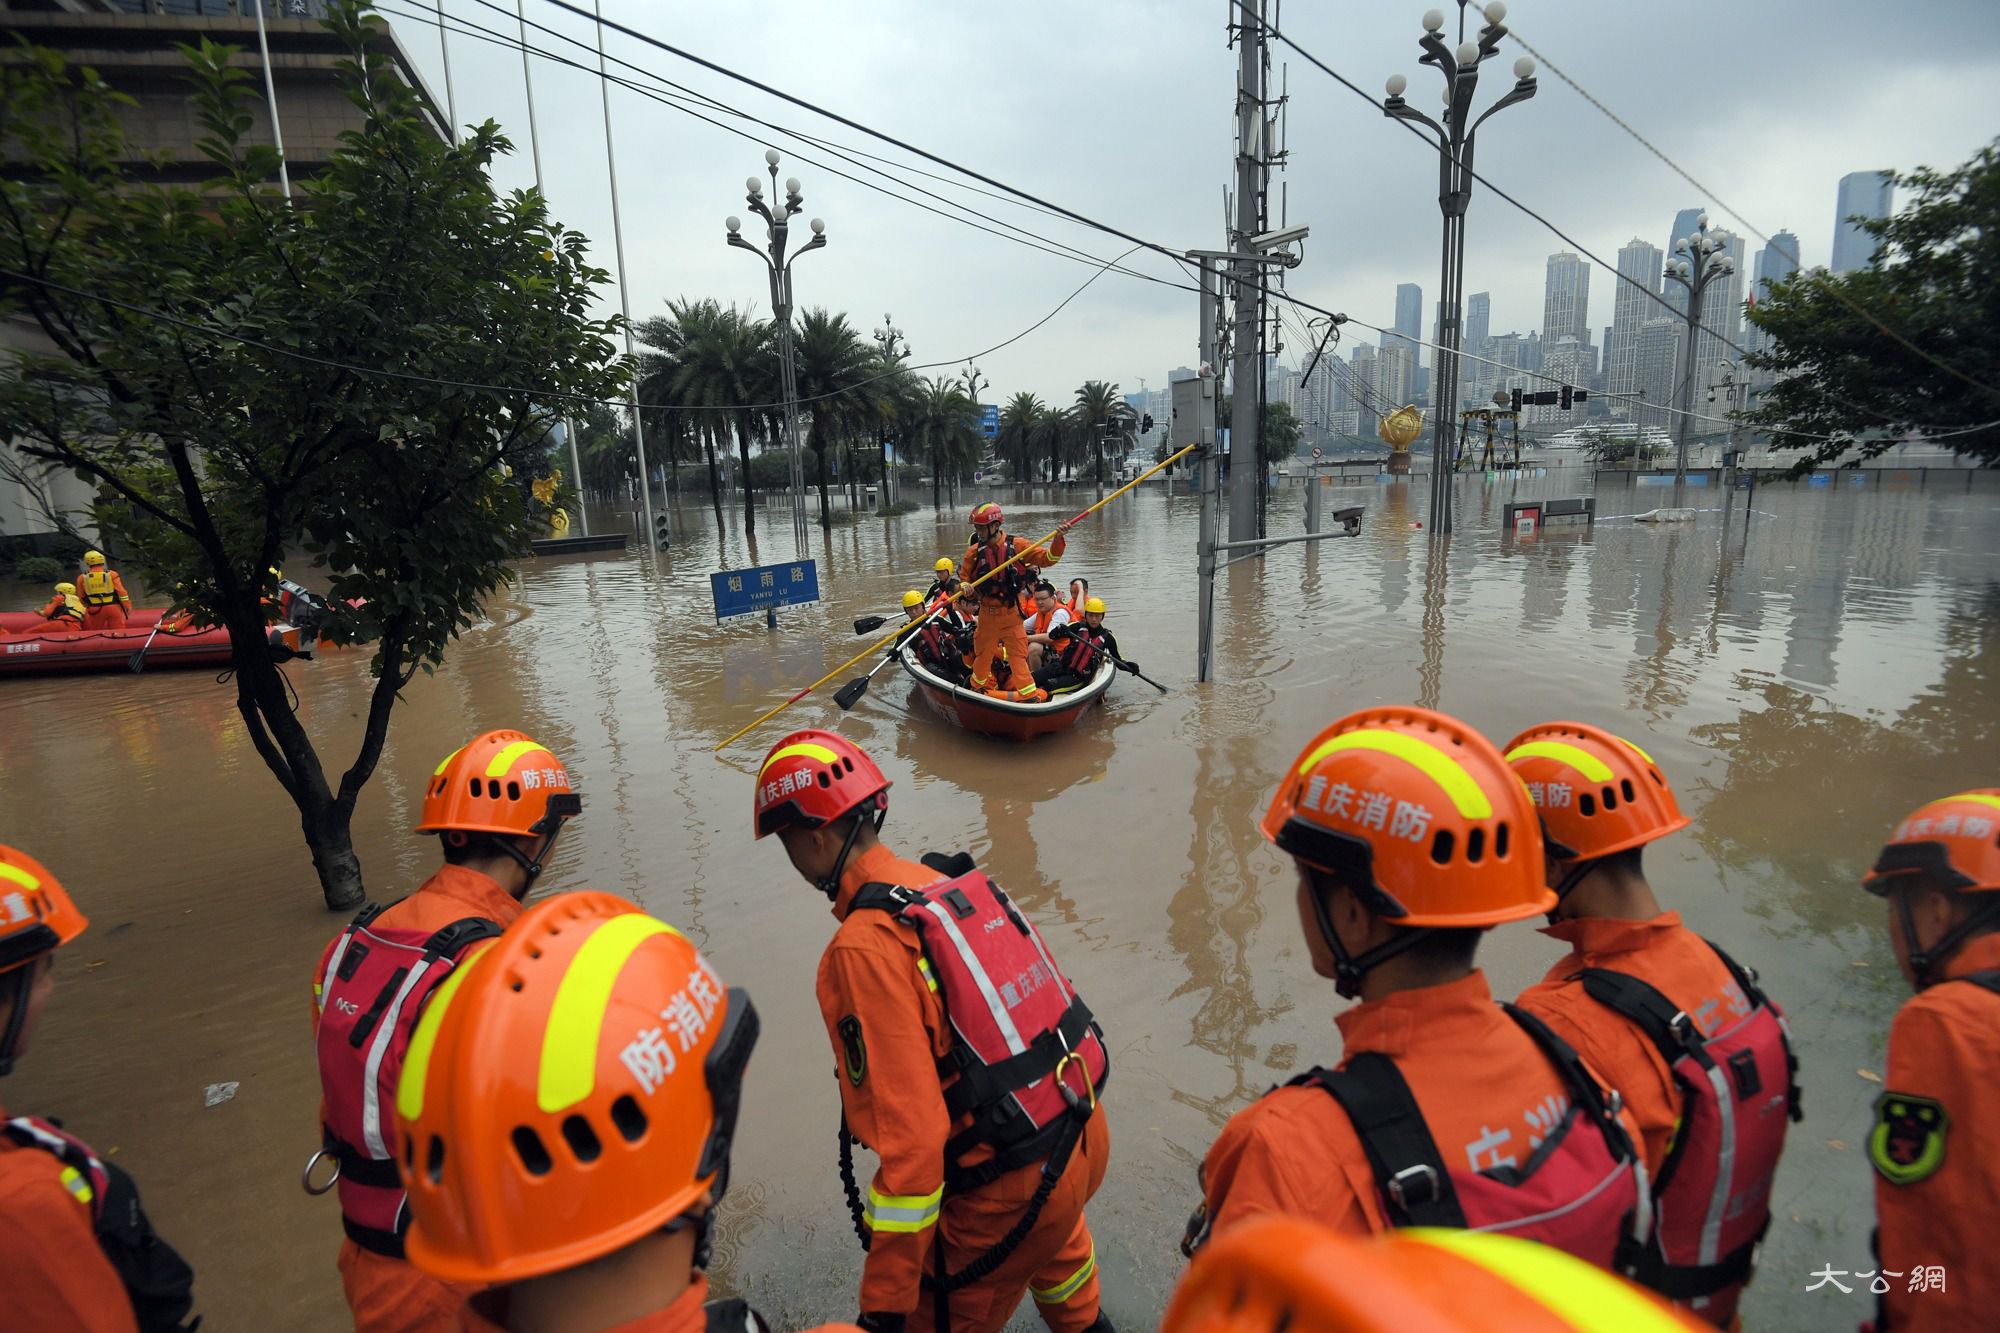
(1245, 373)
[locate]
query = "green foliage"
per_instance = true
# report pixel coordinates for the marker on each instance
(1281, 437)
(38, 569)
(771, 470)
(1103, 419)
(247, 417)
(1606, 447)
(1935, 282)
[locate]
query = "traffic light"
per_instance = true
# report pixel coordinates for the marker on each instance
(1517, 400)
(662, 532)
(1564, 401)
(1146, 424)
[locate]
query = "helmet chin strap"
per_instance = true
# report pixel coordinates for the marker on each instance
(1349, 970)
(17, 1020)
(829, 883)
(1578, 873)
(532, 865)
(1924, 961)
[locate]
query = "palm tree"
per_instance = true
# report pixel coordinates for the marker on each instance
(726, 366)
(1022, 421)
(1100, 412)
(832, 362)
(894, 395)
(943, 427)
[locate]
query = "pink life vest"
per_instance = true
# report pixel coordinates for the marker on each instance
(1712, 1200)
(1025, 1050)
(377, 980)
(1583, 1191)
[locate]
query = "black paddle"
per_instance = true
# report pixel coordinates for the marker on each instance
(850, 693)
(869, 624)
(1124, 665)
(138, 659)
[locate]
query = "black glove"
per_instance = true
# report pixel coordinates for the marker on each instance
(881, 1323)
(1132, 667)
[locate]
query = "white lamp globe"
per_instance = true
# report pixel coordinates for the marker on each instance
(818, 226)
(733, 223)
(753, 185)
(1396, 84)
(1495, 12)
(1468, 54)
(1524, 68)
(771, 156)
(791, 185)
(1433, 20)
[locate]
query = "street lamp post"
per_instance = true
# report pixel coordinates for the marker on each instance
(886, 338)
(1698, 260)
(1455, 137)
(975, 380)
(776, 228)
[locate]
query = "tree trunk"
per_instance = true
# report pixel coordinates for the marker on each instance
(714, 482)
(1098, 449)
(819, 466)
(882, 438)
(749, 496)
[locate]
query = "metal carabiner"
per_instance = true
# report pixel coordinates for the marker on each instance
(1075, 1102)
(305, 1176)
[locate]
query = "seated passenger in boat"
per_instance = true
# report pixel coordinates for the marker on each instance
(64, 612)
(1079, 593)
(938, 642)
(1077, 651)
(1047, 615)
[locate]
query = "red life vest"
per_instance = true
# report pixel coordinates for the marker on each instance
(1010, 583)
(377, 981)
(1583, 1191)
(1080, 652)
(156, 1279)
(1026, 1053)
(1712, 1201)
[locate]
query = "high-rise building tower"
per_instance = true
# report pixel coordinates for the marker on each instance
(1774, 263)
(1868, 194)
(1657, 371)
(1478, 320)
(1640, 265)
(1409, 312)
(1566, 300)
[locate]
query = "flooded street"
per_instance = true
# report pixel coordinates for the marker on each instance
(1804, 673)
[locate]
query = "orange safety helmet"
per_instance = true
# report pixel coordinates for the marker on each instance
(984, 514)
(1274, 1274)
(1952, 843)
(1597, 793)
(811, 778)
(37, 915)
(1420, 817)
(569, 1090)
(501, 782)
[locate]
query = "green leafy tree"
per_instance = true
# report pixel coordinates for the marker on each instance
(1102, 415)
(1281, 436)
(220, 371)
(726, 371)
(943, 430)
(833, 360)
(1935, 281)
(1022, 422)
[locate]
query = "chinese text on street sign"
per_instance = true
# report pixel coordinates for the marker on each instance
(742, 592)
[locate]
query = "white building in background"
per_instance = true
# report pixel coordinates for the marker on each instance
(1640, 265)
(1657, 370)
(1868, 194)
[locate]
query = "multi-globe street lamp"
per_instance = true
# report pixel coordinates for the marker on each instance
(776, 230)
(1460, 68)
(1698, 260)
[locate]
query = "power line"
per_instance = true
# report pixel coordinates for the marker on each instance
(1832, 290)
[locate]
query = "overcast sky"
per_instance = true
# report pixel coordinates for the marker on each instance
(1121, 110)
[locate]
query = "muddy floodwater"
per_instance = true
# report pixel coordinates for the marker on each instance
(1805, 669)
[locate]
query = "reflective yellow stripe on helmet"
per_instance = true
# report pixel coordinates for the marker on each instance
(1432, 762)
(576, 1019)
(1069, 1286)
(805, 748)
(902, 1212)
(417, 1060)
(1977, 798)
(439, 770)
(1583, 761)
(503, 761)
(1636, 750)
(18, 877)
(1587, 1297)
(74, 1182)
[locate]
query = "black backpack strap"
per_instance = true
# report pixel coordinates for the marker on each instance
(1408, 1167)
(951, 865)
(733, 1315)
(980, 1085)
(368, 912)
(890, 898)
(1583, 1085)
(449, 941)
(1747, 979)
(1989, 980)
(1665, 1024)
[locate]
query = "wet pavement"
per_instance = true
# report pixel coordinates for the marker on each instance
(1804, 673)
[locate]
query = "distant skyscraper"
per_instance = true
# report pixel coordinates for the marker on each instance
(1867, 194)
(1774, 263)
(1640, 265)
(1657, 370)
(1721, 320)
(1362, 386)
(1478, 315)
(1566, 300)
(1409, 311)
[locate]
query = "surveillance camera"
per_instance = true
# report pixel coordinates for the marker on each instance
(1271, 240)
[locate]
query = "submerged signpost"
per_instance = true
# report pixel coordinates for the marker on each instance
(742, 592)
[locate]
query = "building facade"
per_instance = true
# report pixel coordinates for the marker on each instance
(1640, 265)
(1868, 194)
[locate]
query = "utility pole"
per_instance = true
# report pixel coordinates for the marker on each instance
(652, 534)
(1246, 372)
(1208, 467)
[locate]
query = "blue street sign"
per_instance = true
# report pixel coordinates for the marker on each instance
(742, 592)
(989, 421)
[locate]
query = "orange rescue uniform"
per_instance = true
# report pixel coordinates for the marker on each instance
(56, 1274)
(1000, 615)
(63, 615)
(889, 1031)
(1674, 961)
(685, 1315)
(1473, 1071)
(388, 1295)
(1944, 1057)
(104, 597)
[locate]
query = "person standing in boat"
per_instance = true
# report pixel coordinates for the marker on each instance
(64, 611)
(999, 597)
(106, 603)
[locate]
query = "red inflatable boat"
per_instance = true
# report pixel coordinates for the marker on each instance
(26, 650)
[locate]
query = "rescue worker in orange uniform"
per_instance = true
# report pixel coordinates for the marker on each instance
(1937, 1186)
(79, 1254)
(64, 612)
(999, 600)
(879, 995)
(1283, 1275)
(576, 1179)
(1661, 1013)
(496, 806)
(1412, 837)
(105, 601)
